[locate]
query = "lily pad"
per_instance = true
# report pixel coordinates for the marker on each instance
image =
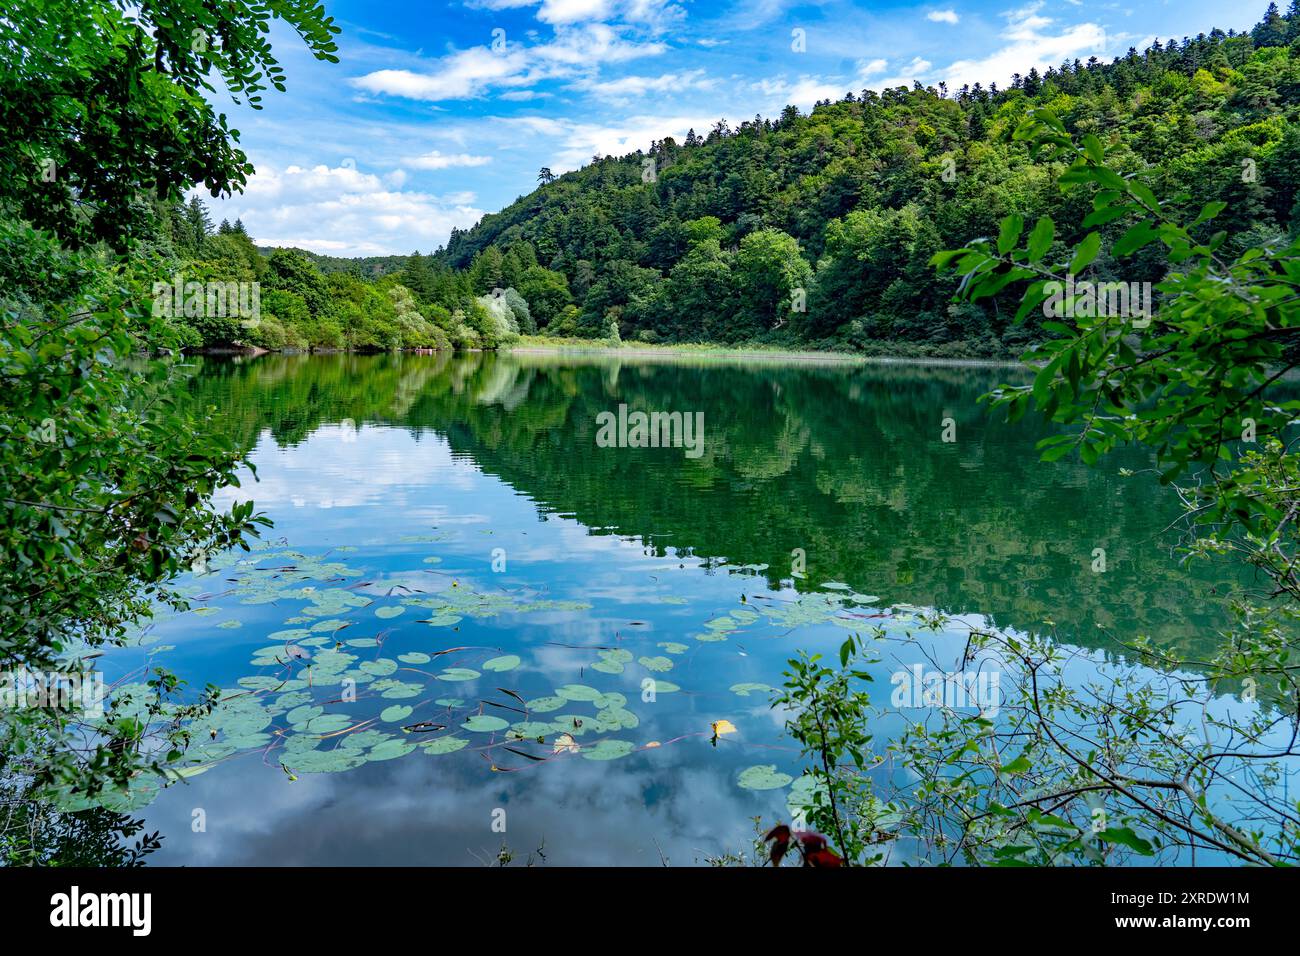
(390, 749)
(531, 728)
(544, 705)
(608, 750)
(323, 761)
(443, 745)
(458, 674)
(577, 692)
(507, 662)
(764, 777)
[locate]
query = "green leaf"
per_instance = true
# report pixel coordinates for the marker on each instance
(1123, 836)
(764, 777)
(1040, 238)
(1009, 234)
(1086, 252)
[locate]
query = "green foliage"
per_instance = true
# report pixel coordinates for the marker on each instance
(770, 273)
(100, 106)
(1190, 381)
(546, 292)
(828, 707)
(105, 484)
(869, 188)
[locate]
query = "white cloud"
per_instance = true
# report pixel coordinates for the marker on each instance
(908, 74)
(628, 87)
(943, 16)
(459, 75)
(1029, 44)
(1027, 41)
(475, 71)
(574, 11)
(437, 160)
(655, 13)
(343, 211)
(577, 142)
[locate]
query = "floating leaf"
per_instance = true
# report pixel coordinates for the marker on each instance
(323, 761)
(395, 713)
(577, 692)
(608, 750)
(544, 705)
(532, 728)
(764, 777)
(506, 662)
(443, 745)
(458, 674)
(390, 749)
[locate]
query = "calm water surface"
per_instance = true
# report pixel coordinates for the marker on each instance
(438, 517)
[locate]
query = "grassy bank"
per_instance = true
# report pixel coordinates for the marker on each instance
(887, 351)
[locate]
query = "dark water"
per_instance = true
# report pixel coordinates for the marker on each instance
(463, 504)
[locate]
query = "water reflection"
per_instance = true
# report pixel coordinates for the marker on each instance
(399, 459)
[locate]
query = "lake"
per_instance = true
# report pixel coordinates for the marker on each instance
(459, 569)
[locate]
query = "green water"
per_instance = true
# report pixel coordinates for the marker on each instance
(417, 489)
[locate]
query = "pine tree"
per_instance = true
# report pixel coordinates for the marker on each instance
(1272, 30)
(198, 224)
(1293, 21)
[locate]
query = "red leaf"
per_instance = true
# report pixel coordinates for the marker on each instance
(780, 835)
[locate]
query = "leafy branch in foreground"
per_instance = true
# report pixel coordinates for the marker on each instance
(1088, 763)
(1202, 375)
(106, 486)
(105, 489)
(1199, 373)
(1081, 762)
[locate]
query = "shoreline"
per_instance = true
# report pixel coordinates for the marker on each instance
(719, 353)
(724, 353)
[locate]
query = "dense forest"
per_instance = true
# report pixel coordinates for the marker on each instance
(805, 230)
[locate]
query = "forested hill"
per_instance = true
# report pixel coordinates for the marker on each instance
(712, 238)
(369, 267)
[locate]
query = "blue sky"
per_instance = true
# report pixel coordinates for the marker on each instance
(440, 112)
